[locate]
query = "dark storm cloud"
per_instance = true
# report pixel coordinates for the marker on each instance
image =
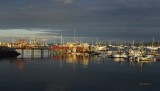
(91, 18)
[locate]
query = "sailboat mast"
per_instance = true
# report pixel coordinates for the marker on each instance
(61, 39)
(97, 40)
(153, 42)
(133, 43)
(74, 35)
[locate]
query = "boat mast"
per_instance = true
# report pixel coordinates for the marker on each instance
(74, 39)
(133, 43)
(153, 42)
(61, 39)
(97, 40)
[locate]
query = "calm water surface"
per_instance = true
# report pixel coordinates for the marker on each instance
(77, 73)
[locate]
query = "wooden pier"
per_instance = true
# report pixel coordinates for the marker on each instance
(32, 51)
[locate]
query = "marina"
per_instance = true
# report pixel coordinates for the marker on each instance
(79, 45)
(132, 51)
(80, 66)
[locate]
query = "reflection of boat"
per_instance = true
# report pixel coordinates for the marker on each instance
(118, 59)
(120, 55)
(146, 58)
(8, 52)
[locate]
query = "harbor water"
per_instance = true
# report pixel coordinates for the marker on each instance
(77, 73)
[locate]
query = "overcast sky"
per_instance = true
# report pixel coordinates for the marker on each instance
(106, 19)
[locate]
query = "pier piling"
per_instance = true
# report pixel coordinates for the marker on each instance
(32, 53)
(22, 53)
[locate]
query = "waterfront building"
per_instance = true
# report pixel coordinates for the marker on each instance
(71, 47)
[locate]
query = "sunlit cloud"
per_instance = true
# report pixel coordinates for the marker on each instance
(43, 35)
(17, 33)
(27, 32)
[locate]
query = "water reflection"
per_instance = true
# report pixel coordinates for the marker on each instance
(77, 73)
(57, 87)
(82, 61)
(119, 60)
(140, 66)
(20, 63)
(76, 60)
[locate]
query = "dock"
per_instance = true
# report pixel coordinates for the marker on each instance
(32, 51)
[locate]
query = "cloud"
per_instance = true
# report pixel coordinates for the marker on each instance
(66, 1)
(91, 18)
(28, 32)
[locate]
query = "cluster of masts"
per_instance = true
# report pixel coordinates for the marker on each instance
(143, 51)
(135, 53)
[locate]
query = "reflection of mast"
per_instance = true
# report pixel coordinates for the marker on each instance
(130, 64)
(141, 64)
(60, 61)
